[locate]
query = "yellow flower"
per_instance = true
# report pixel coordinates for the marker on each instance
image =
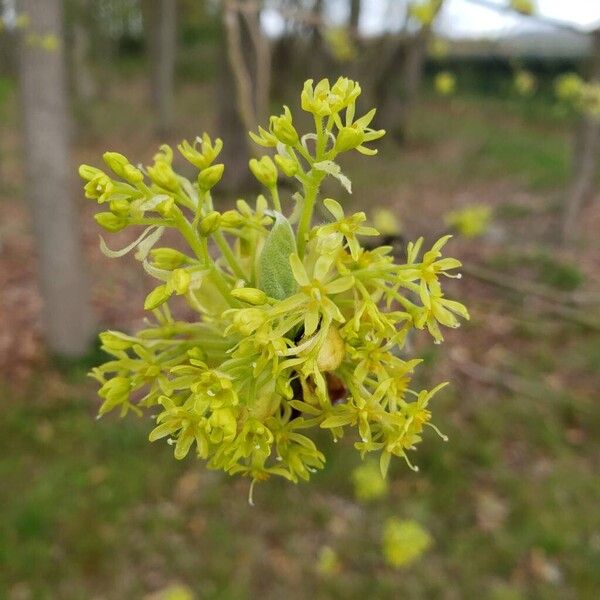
(569, 87)
(471, 221)
(525, 83)
(347, 227)
(525, 7)
(445, 83)
(404, 542)
(313, 296)
(203, 152)
(368, 483)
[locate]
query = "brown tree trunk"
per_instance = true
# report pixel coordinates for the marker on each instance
(231, 128)
(354, 14)
(160, 21)
(398, 97)
(84, 84)
(8, 58)
(66, 316)
(586, 156)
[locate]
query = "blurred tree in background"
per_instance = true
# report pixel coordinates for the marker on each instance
(494, 138)
(49, 180)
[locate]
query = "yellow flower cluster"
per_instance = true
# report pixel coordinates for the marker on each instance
(298, 327)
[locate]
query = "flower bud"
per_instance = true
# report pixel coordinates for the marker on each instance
(288, 165)
(110, 222)
(115, 162)
(210, 176)
(163, 175)
(180, 281)
(165, 208)
(114, 341)
(157, 296)
(445, 83)
(119, 207)
(232, 218)
(331, 352)
(264, 170)
(88, 172)
(283, 129)
(210, 223)
(132, 174)
(223, 425)
(250, 295)
(116, 389)
(248, 320)
(348, 138)
(264, 138)
(164, 154)
(167, 258)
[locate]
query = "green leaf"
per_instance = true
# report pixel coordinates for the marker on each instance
(333, 169)
(275, 276)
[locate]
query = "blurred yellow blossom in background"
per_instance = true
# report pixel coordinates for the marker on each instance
(445, 83)
(368, 482)
(471, 221)
(404, 542)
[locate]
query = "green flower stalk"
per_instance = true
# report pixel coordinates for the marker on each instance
(298, 327)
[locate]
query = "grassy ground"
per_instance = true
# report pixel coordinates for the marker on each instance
(90, 509)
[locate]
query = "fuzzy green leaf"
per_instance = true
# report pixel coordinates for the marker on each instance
(275, 276)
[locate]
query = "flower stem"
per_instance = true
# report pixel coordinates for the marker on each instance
(229, 255)
(310, 195)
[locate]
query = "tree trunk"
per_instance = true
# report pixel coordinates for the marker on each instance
(234, 112)
(84, 84)
(585, 157)
(67, 318)
(8, 59)
(395, 109)
(160, 21)
(354, 15)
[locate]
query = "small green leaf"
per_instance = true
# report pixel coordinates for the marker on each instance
(333, 169)
(275, 276)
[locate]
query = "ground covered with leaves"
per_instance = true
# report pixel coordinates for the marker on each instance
(92, 510)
